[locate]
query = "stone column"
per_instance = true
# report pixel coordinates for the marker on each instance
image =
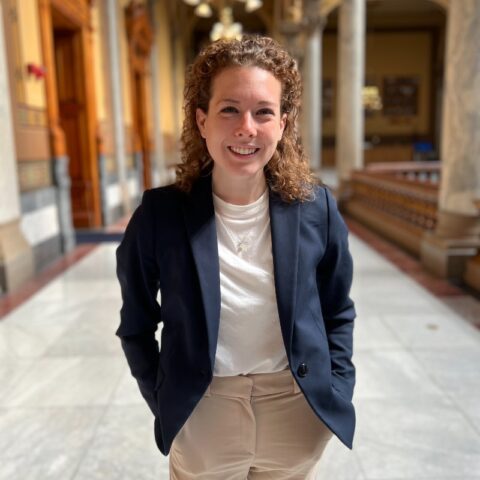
(162, 176)
(16, 255)
(456, 237)
(313, 87)
(115, 80)
(350, 81)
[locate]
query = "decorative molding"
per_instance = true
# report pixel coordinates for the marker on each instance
(327, 6)
(31, 116)
(34, 175)
(14, 51)
(139, 34)
(32, 143)
(77, 11)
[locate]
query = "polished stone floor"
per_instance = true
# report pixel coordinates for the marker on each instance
(69, 409)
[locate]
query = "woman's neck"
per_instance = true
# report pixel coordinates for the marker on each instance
(238, 191)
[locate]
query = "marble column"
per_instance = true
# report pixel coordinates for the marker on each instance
(457, 235)
(350, 81)
(162, 175)
(313, 89)
(16, 255)
(460, 149)
(115, 80)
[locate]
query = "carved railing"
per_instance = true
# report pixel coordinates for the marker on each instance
(399, 200)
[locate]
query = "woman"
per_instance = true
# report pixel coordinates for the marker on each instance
(251, 259)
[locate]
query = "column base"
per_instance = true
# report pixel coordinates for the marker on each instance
(455, 225)
(446, 258)
(16, 257)
(456, 239)
(472, 273)
(62, 180)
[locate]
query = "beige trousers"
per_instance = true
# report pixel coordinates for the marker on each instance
(253, 427)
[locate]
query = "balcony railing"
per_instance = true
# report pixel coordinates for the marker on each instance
(400, 200)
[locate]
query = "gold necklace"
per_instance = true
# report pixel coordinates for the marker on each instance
(241, 243)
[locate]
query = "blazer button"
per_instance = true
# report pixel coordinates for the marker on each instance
(302, 370)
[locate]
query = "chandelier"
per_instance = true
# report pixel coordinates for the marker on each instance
(226, 27)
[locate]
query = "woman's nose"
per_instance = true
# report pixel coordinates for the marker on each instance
(246, 126)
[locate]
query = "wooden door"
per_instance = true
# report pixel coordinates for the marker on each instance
(71, 101)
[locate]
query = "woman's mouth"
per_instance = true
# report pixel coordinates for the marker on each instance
(244, 151)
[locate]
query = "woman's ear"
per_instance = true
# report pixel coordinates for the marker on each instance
(201, 117)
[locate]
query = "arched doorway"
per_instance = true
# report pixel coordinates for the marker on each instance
(67, 53)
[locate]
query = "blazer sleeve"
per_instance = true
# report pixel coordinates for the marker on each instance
(137, 272)
(334, 280)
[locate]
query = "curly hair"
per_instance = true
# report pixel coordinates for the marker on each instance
(287, 172)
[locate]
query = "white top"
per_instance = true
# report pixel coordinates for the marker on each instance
(249, 337)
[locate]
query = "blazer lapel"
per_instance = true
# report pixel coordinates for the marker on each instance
(285, 224)
(199, 216)
(200, 222)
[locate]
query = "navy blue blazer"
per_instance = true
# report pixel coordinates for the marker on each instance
(170, 245)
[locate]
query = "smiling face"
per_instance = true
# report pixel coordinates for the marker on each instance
(243, 124)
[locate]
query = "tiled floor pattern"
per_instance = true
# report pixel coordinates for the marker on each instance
(69, 409)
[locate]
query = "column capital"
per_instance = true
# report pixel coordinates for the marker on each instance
(316, 23)
(313, 18)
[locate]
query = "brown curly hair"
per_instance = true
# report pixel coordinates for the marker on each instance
(287, 172)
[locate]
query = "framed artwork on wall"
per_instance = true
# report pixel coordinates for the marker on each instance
(400, 96)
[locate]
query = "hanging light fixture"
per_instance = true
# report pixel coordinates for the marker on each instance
(226, 27)
(253, 5)
(203, 10)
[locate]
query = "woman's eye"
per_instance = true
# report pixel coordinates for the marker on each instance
(229, 110)
(265, 111)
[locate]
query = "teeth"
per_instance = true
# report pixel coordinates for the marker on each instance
(243, 151)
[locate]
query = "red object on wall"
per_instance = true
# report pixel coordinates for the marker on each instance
(39, 71)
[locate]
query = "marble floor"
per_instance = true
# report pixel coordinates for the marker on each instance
(69, 409)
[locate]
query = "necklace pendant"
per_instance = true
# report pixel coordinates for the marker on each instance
(242, 246)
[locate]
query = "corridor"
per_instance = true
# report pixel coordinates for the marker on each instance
(69, 409)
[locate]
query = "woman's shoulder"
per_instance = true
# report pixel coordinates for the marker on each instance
(320, 206)
(162, 200)
(165, 193)
(318, 198)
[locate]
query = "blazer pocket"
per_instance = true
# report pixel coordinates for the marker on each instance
(163, 357)
(337, 381)
(317, 318)
(160, 377)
